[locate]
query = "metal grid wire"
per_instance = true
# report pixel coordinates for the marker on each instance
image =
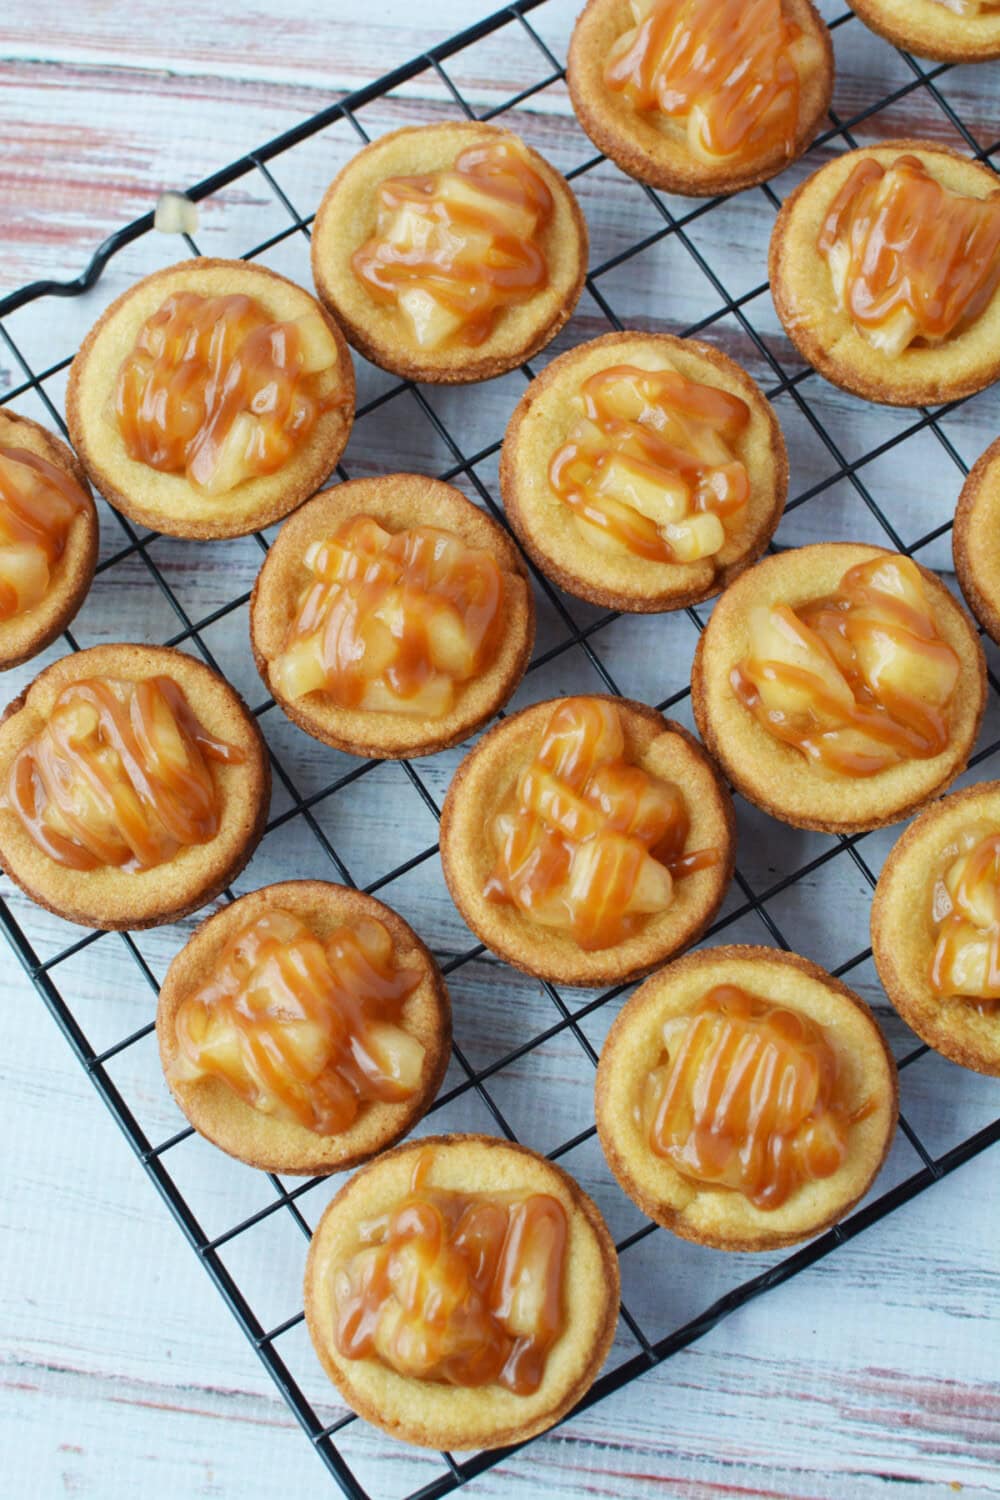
(568, 1017)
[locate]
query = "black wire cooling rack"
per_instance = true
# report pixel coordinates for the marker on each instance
(558, 1020)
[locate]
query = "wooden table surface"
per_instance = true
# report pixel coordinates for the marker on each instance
(123, 1374)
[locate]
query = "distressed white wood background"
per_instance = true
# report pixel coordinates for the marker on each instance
(122, 1373)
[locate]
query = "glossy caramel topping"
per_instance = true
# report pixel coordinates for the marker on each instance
(120, 774)
(857, 681)
(971, 7)
(38, 504)
(215, 390)
(728, 70)
(965, 911)
(464, 1289)
(745, 1096)
(650, 466)
(590, 843)
(909, 259)
(392, 623)
(302, 1028)
(452, 248)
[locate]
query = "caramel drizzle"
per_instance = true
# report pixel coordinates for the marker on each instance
(205, 371)
(464, 1289)
(119, 775)
(303, 1029)
(725, 66)
(967, 914)
(665, 445)
(410, 611)
(38, 504)
(746, 1096)
(884, 724)
(451, 267)
(591, 843)
(919, 249)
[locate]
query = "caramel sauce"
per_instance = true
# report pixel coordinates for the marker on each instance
(725, 68)
(38, 504)
(463, 1289)
(119, 775)
(302, 1028)
(746, 1096)
(215, 390)
(650, 464)
(858, 681)
(910, 259)
(590, 843)
(451, 249)
(392, 623)
(965, 912)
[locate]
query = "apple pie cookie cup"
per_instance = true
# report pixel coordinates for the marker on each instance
(113, 897)
(437, 1414)
(933, 28)
(653, 147)
(346, 220)
(905, 934)
(28, 631)
(825, 333)
(169, 502)
(777, 776)
(974, 540)
(706, 1211)
(546, 526)
(488, 779)
(284, 1145)
(398, 504)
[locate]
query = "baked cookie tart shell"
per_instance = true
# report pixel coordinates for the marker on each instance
(456, 1417)
(661, 156)
(930, 29)
(975, 540)
(347, 217)
(112, 898)
(903, 936)
(168, 502)
(396, 501)
(826, 336)
(777, 777)
(25, 635)
(545, 525)
(258, 1139)
(485, 780)
(719, 1216)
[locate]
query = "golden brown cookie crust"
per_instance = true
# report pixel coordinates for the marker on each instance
(544, 524)
(930, 29)
(111, 898)
(27, 634)
(660, 156)
(457, 1417)
(486, 778)
(346, 218)
(260, 1140)
(167, 502)
(722, 1217)
(974, 540)
(777, 777)
(903, 937)
(825, 335)
(396, 501)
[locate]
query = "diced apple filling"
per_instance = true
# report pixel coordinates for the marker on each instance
(391, 623)
(648, 469)
(216, 390)
(300, 1029)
